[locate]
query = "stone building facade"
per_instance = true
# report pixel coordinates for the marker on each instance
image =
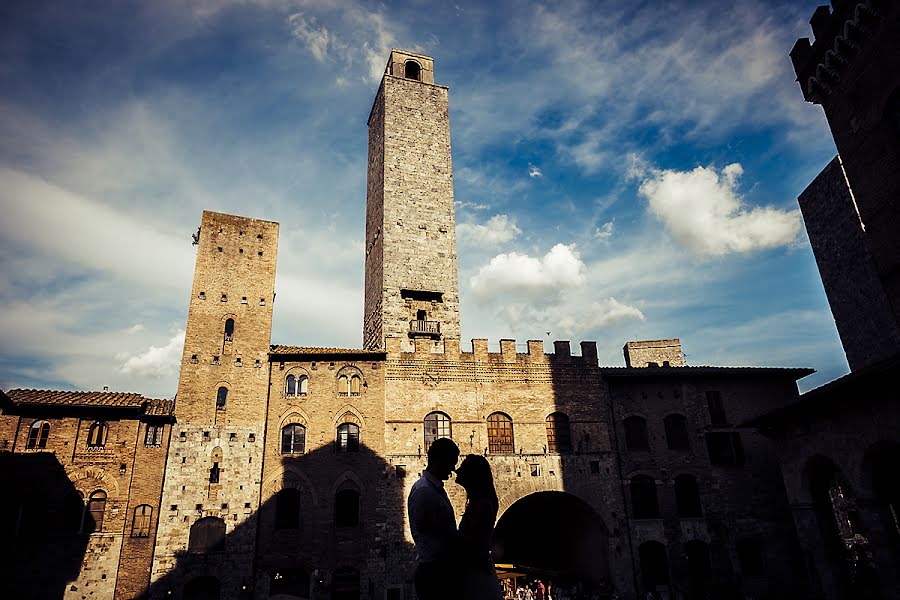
(82, 473)
(288, 467)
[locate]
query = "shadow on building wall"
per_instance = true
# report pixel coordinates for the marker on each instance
(326, 529)
(566, 524)
(45, 529)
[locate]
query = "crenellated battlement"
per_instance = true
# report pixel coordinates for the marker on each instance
(841, 34)
(450, 349)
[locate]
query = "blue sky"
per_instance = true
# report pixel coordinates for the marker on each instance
(623, 171)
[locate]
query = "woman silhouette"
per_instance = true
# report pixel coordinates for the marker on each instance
(479, 579)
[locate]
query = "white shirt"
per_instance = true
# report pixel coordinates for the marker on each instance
(431, 518)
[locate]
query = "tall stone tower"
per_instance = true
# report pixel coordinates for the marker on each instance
(851, 209)
(213, 472)
(411, 285)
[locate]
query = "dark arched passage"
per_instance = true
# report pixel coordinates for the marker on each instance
(553, 532)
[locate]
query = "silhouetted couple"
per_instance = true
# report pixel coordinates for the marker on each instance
(454, 564)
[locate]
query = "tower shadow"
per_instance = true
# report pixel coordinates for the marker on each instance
(44, 530)
(330, 526)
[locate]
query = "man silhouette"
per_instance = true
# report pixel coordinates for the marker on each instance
(433, 525)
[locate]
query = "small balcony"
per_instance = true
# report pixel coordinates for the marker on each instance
(425, 329)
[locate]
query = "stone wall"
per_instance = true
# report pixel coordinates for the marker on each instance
(658, 353)
(862, 311)
(108, 563)
(743, 501)
(321, 471)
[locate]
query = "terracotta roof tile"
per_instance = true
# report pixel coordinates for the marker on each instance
(280, 349)
(150, 406)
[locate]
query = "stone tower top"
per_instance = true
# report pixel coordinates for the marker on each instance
(658, 353)
(841, 33)
(410, 65)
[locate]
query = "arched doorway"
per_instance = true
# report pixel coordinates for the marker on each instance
(555, 534)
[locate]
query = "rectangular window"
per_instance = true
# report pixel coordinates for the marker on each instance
(725, 449)
(535, 470)
(595, 467)
(716, 408)
(153, 437)
(140, 527)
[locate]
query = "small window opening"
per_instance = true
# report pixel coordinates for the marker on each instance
(262, 301)
(221, 399)
(243, 299)
(194, 359)
(412, 70)
(214, 473)
(229, 330)
(421, 315)
(203, 295)
(224, 297)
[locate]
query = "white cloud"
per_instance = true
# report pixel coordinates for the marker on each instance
(372, 39)
(318, 39)
(156, 361)
(136, 328)
(703, 211)
(534, 171)
(611, 311)
(559, 269)
(605, 231)
(498, 230)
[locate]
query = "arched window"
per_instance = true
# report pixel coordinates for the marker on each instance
(677, 432)
(287, 509)
(96, 506)
(293, 439)
(559, 434)
(346, 508)
(343, 385)
(354, 385)
(750, 557)
(345, 584)
(500, 434)
(229, 330)
(207, 535)
(348, 437)
(140, 524)
(291, 386)
(644, 504)
(37, 435)
(97, 435)
(687, 496)
(412, 70)
(296, 386)
(221, 398)
(654, 565)
(437, 425)
(636, 434)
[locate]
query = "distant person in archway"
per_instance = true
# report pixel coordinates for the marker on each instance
(479, 578)
(433, 526)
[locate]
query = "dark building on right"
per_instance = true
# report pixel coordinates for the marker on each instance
(839, 445)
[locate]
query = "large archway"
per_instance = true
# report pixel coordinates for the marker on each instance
(555, 534)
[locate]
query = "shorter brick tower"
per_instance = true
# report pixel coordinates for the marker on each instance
(411, 288)
(214, 468)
